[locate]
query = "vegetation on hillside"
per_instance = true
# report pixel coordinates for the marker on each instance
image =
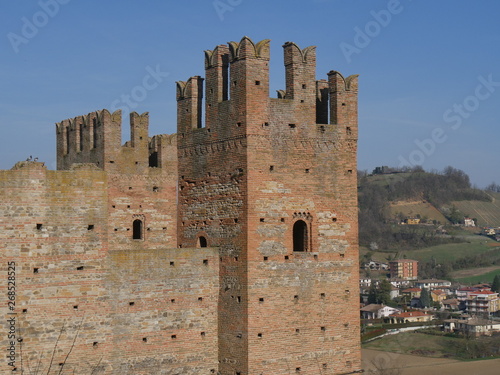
(378, 230)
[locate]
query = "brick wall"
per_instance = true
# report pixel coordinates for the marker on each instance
(259, 166)
(230, 247)
(135, 310)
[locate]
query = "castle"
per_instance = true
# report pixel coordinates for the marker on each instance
(228, 248)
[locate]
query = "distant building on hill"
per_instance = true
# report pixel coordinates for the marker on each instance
(404, 269)
(412, 221)
(468, 222)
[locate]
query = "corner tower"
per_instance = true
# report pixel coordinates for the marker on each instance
(272, 183)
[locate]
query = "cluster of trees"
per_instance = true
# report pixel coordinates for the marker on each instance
(440, 189)
(485, 259)
(494, 187)
(381, 293)
(495, 287)
(470, 347)
(434, 270)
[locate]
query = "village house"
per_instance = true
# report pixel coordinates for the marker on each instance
(375, 266)
(400, 283)
(376, 311)
(412, 221)
(433, 284)
(410, 317)
(472, 326)
(438, 295)
(484, 302)
(411, 293)
(468, 222)
(451, 304)
(462, 294)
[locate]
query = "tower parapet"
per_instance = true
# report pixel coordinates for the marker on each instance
(237, 94)
(343, 98)
(96, 138)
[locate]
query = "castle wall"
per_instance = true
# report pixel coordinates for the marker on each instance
(83, 306)
(259, 166)
(301, 304)
(228, 248)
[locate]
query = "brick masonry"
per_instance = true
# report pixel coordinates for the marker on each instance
(230, 247)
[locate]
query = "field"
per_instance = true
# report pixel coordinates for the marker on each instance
(453, 251)
(476, 275)
(403, 364)
(486, 213)
(414, 353)
(415, 344)
(422, 208)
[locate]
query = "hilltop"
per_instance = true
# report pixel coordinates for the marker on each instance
(388, 198)
(420, 215)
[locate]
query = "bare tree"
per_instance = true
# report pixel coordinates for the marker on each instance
(381, 365)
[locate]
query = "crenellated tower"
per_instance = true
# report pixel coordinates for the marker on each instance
(141, 175)
(272, 183)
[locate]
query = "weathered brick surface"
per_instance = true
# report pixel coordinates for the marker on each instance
(123, 305)
(259, 166)
(213, 281)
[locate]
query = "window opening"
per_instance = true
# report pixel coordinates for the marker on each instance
(67, 141)
(202, 242)
(80, 136)
(137, 230)
(300, 236)
(94, 133)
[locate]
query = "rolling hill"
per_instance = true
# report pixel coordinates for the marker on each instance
(486, 213)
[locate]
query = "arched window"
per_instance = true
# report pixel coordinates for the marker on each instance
(300, 237)
(202, 242)
(137, 230)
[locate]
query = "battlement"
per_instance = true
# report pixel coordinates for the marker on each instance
(96, 138)
(237, 98)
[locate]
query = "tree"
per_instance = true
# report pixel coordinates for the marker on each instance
(493, 187)
(372, 293)
(384, 292)
(381, 365)
(380, 294)
(495, 287)
(425, 298)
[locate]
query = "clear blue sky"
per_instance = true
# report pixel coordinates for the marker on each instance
(429, 70)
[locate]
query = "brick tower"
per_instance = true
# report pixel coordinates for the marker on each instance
(272, 184)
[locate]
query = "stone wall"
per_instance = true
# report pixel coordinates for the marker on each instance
(82, 305)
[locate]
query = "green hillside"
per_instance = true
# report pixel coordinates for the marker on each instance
(486, 213)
